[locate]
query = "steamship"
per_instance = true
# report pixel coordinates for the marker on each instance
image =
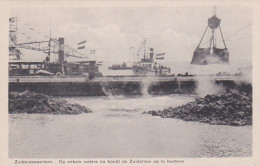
(148, 66)
(50, 57)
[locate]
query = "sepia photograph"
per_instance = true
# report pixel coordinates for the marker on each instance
(130, 82)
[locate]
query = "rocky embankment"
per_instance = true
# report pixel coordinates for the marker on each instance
(226, 109)
(31, 102)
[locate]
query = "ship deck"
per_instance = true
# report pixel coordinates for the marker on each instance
(121, 78)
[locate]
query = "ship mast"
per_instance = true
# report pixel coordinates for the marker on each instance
(49, 53)
(16, 29)
(144, 45)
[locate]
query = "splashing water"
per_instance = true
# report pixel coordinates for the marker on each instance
(145, 86)
(106, 92)
(146, 82)
(207, 86)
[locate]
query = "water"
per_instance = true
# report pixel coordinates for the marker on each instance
(117, 128)
(181, 67)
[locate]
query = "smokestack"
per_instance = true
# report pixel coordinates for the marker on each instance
(151, 53)
(61, 50)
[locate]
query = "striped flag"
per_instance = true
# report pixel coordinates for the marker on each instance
(92, 52)
(99, 63)
(12, 19)
(81, 47)
(12, 24)
(160, 56)
(82, 42)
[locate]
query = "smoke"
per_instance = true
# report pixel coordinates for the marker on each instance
(207, 86)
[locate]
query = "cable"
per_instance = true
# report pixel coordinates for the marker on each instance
(240, 39)
(238, 31)
(233, 34)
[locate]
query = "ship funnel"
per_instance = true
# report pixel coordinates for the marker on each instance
(151, 53)
(61, 50)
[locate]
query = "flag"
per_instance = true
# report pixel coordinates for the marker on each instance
(12, 19)
(99, 63)
(81, 47)
(159, 58)
(162, 54)
(92, 51)
(82, 42)
(12, 24)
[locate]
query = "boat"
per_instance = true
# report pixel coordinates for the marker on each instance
(43, 72)
(119, 67)
(149, 65)
(66, 62)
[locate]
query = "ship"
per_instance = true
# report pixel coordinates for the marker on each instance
(50, 57)
(119, 67)
(211, 54)
(148, 65)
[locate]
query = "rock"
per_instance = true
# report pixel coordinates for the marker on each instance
(31, 102)
(226, 109)
(154, 113)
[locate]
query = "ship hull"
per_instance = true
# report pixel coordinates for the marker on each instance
(141, 70)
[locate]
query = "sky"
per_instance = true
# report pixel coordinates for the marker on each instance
(111, 31)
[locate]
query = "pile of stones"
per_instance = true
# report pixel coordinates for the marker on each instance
(35, 103)
(226, 109)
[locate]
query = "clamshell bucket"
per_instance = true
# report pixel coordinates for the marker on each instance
(222, 54)
(202, 56)
(212, 54)
(199, 56)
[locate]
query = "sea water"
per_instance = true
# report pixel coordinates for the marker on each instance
(117, 129)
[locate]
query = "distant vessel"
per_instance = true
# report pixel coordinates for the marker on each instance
(212, 54)
(119, 67)
(147, 65)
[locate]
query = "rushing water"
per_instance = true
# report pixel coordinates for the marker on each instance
(117, 128)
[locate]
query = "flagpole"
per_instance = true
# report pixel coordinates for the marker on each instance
(85, 52)
(16, 29)
(50, 44)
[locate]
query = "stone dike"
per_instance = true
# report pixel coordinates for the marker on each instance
(226, 109)
(35, 103)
